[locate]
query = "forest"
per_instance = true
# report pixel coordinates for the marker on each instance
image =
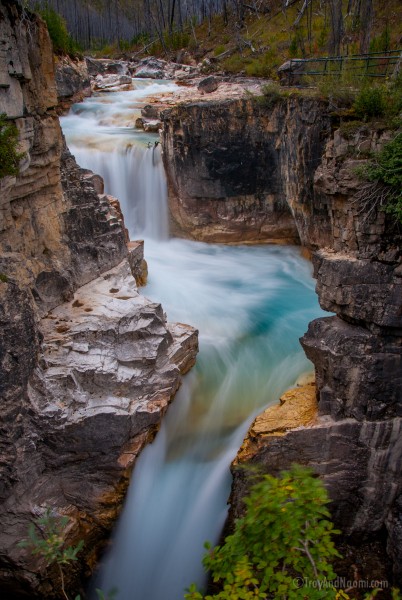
(94, 23)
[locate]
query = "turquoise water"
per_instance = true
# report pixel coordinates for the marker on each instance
(251, 305)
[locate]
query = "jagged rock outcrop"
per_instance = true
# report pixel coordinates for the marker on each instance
(72, 81)
(102, 378)
(231, 165)
(87, 365)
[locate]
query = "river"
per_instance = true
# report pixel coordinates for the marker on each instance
(250, 303)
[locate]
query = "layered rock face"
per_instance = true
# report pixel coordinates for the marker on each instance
(73, 82)
(237, 170)
(355, 443)
(88, 365)
(230, 166)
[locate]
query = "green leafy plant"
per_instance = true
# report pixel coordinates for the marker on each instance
(283, 540)
(46, 539)
(9, 155)
(385, 174)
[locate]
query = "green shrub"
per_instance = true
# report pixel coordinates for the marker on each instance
(322, 40)
(9, 155)
(219, 49)
(263, 66)
(386, 169)
(271, 94)
(177, 40)
(46, 539)
(61, 39)
(339, 92)
(140, 38)
(234, 64)
(371, 102)
(3, 278)
(293, 48)
(283, 540)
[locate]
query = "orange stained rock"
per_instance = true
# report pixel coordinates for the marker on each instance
(297, 407)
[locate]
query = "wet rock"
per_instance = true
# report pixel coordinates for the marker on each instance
(155, 68)
(19, 348)
(138, 266)
(150, 68)
(298, 407)
(226, 163)
(102, 66)
(366, 290)
(348, 455)
(238, 171)
(112, 83)
(151, 126)
(150, 111)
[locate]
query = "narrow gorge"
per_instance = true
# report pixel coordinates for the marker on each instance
(90, 362)
(237, 170)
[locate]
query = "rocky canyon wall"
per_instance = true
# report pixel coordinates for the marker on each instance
(241, 170)
(88, 365)
(244, 171)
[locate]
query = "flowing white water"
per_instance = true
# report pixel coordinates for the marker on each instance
(251, 304)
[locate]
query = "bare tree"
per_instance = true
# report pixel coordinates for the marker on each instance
(337, 30)
(366, 22)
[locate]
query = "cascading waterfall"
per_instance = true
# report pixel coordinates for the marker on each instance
(135, 175)
(250, 304)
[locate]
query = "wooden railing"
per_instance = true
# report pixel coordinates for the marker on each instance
(373, 64)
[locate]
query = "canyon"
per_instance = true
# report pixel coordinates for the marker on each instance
(235, 166)
(89, 365)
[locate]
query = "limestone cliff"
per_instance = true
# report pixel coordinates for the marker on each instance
(88, 365)
(236, 170)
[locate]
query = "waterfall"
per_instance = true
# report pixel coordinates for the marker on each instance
(135, 175)
(250, 304)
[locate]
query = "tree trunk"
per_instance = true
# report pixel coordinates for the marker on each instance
(336, 21)
(366, 21)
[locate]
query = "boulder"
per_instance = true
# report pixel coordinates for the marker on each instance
(112, 82)
(152, 126)
(151, 68)
(150, 111)
(291, 72)
(102, 66)
(208, 85)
